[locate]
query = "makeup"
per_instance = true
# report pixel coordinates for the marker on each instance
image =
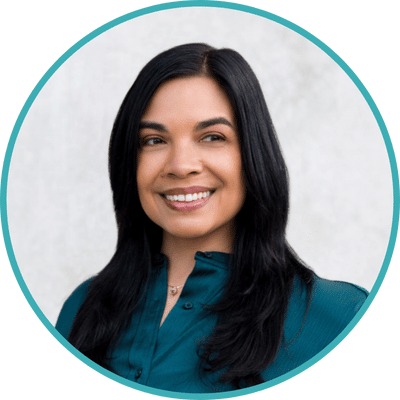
(188, 202)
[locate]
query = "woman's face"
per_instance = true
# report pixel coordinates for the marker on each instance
(189, 172)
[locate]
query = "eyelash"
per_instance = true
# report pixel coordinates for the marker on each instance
(145, 142)
(216, 138)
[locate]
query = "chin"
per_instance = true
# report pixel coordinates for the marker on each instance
(188, 233)
(199, 230)
(189, 230)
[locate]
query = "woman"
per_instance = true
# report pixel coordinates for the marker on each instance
(203, 292)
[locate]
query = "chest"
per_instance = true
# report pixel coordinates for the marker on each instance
(166, 356)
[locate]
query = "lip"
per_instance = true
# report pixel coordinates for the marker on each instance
(187, 206)
(187, 190)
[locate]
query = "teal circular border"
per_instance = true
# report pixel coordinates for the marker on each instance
(214, 4)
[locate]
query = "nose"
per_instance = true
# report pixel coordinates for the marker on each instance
(183, 160)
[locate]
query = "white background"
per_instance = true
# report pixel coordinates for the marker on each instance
(59, 201)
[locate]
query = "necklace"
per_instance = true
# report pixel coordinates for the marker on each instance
(174, 289)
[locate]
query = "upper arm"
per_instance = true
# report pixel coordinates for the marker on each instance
(70, 308)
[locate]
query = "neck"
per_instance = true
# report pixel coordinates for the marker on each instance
(181, 251)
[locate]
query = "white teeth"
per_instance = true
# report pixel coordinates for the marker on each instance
(188, 197)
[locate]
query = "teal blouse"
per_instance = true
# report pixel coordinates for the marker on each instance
(166, 357)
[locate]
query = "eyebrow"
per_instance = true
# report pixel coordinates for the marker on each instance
(152, 125)
(201, 125)
(212, 121)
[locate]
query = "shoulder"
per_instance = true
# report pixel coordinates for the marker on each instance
(323, 312)
(71, 307)
(335, 302)
(337, 296)
(315, 316)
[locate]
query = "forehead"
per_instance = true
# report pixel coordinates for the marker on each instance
(197, 98)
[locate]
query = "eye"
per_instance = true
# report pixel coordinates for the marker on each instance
(152, 141)
(213, 138)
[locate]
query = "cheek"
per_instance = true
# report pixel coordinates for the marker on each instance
(144, 176)
(145, 194)
(234, 173)
(140, 178)
(231, 173)
(240, 191)
(238, 182)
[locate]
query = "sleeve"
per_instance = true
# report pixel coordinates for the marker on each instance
(312, 325)
(71, 307)
(332, 307)
(337, 302)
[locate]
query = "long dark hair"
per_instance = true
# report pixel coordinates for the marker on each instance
(251, 312)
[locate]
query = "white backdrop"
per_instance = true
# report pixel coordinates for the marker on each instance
(59, 202)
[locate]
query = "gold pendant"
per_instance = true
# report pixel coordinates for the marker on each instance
(173, 291)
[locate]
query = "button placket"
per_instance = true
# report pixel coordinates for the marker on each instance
(188, 305)
(138, 373)
(143, 344)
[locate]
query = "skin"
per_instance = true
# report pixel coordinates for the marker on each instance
(189, 139)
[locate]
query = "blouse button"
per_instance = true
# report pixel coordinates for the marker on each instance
(208, 254)
(138, 373)
(188, 306)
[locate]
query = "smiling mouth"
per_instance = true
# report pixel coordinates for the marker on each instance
(188, 197)
(188, 202)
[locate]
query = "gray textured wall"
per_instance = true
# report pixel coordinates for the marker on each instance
(59, 202)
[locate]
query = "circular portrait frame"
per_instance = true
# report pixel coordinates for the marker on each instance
(237, 7)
